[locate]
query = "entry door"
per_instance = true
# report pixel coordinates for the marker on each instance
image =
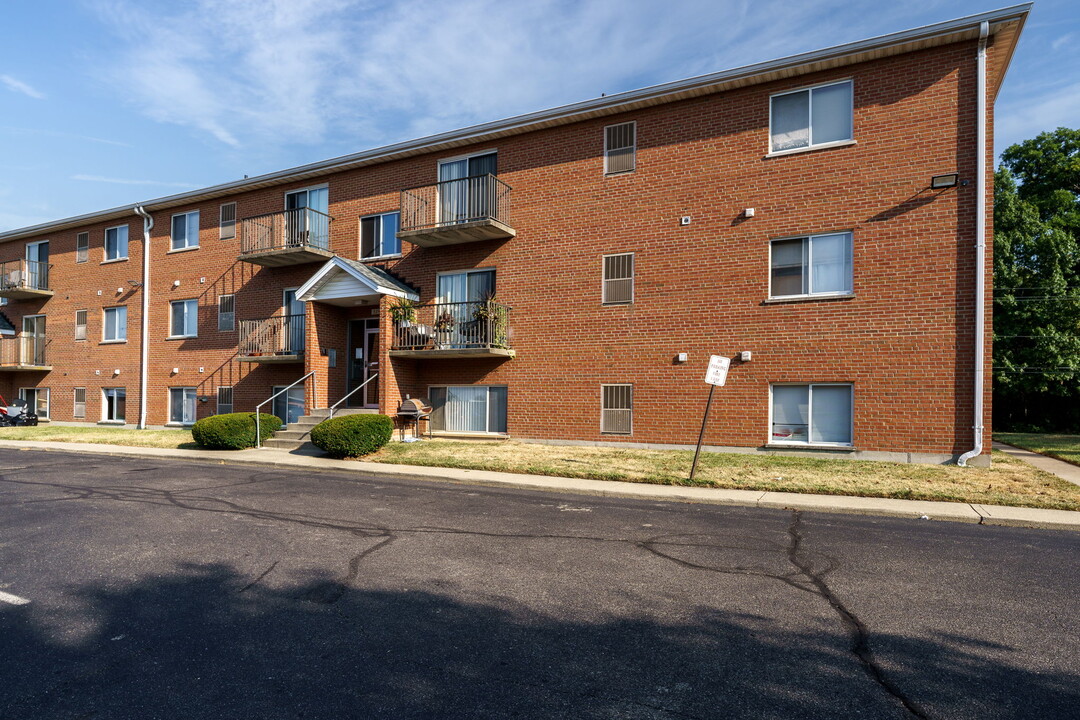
(304, 227)
(37, 265)
(363, 363)
(289, 406)
(293, 334)
(458, 297)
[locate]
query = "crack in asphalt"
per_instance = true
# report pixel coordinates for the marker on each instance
(254, 582)
(806, 579)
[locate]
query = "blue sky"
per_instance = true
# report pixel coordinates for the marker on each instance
(109, 102)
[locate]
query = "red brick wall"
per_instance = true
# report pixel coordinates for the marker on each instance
(904, 339)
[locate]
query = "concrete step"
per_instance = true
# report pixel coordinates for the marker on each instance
(294, 433)
(323, 413)
(283, 444)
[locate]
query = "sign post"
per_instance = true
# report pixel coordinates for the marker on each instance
(715, 375)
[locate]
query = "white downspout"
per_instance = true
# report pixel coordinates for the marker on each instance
(144, 321)
(980, 242)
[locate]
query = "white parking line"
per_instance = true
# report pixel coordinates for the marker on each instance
(13, 599)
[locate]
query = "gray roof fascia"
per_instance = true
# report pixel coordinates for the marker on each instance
(607, 105)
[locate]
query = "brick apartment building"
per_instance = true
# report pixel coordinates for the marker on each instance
(565, 275)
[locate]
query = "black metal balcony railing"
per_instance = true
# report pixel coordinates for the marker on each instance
(464, 325)
(452, 202)
(281, 335)
(24, 275)
(24, 351)
(298, 229)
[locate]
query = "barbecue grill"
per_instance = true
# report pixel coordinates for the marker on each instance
(411, 412)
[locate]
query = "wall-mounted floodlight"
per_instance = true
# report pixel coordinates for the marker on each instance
(940, 182)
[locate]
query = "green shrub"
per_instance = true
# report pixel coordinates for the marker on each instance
(233, 431)
(352, 435)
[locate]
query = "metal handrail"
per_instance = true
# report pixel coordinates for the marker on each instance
(314, 393)
(349, 394)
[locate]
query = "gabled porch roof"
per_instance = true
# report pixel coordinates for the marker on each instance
(345, 282)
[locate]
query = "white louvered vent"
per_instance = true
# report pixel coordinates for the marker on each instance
(619, 148)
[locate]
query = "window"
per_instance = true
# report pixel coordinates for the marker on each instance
(468, 409)
(378, 235)
(616, 409)
(811, 117)
(37, 401)
(227, 223)
(226, 313)
(811, 414)
(114, 404)
(79, 408)
(80, 324)
(34, 341)
(618, 286)
(813, 265)
(619, 148)
(116, 243)
(182, 405)
(185, 230)
(185, 318)
(115, 325)
(82, 247)
(224, 400)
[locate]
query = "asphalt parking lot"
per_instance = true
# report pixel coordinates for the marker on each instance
(161, 589)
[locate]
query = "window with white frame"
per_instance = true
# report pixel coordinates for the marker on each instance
(226, 313)
(811, 265)
(227, 221)
(616, 409)
(812, 414)
(113, 404)
(618, 284)
(184, 319)
(378, 235)
(79, 408)
(37, 401)
(116, 243)
(82, 247)
(182, 405)
(80, 324)
(224, 400)
(468, 408)
(811, 117)
(185, 230)
(620, 148)
(114, 324)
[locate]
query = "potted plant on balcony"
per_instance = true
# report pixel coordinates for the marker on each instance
(403, 312)
(490, 318)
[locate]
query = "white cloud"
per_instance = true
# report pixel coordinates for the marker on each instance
(1063, 41)
(123, 181)
(20, 87)
(1028, 116)
(288, 72)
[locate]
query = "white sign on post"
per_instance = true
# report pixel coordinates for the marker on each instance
(717, 372)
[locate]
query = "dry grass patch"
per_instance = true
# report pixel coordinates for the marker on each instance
(104, 436)
(1007, 482)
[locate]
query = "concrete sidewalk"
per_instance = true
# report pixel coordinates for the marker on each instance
(954, 512)
(1064, 470)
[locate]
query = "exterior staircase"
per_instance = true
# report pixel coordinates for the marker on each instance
(295, 436)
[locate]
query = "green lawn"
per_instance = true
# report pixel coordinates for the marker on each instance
(103, 435)
(1062, 447)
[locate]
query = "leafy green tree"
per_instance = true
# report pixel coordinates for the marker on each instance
(1037, 284)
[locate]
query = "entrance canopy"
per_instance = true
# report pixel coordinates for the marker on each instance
(348, 283)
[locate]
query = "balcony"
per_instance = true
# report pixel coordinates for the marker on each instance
(455, 330)
(292, 237)
(456, 211)
(26, 352)
(24, 280)
(272, 340)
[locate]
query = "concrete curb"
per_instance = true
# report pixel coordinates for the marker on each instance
(943, 511)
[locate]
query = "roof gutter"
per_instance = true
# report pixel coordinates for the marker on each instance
(980, 244)
(144, 316)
